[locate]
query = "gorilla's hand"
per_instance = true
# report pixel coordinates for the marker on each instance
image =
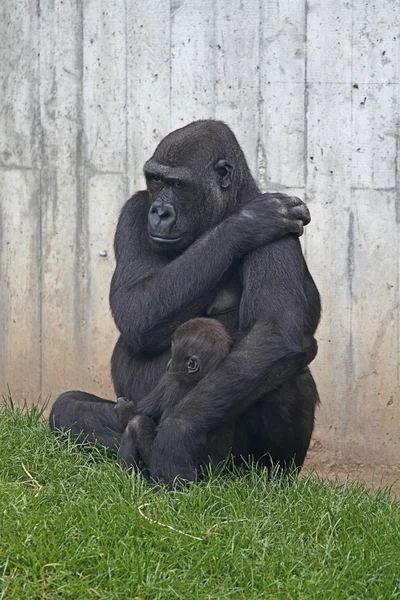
(270, 216)
(291, 208)
(125, 409)
(176, 452)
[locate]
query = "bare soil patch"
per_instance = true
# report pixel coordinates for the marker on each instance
(334, 465)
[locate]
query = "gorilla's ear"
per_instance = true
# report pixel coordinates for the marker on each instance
(224, 170)
(193, 365)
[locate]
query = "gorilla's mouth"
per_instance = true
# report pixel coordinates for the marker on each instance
(165, 240)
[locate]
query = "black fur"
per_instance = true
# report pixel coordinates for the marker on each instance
(198, 346)
(90, 419)
(203, 241)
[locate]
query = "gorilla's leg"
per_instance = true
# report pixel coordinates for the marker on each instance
(91, 419)
(219, 444)
(279, 428)
(137, 442)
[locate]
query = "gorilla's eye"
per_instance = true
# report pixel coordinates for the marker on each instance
(193, 364)
(155, 178)
(178, 183)
(169, 363)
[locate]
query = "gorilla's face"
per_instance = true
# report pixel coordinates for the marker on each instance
(190, 188)
(173, 219)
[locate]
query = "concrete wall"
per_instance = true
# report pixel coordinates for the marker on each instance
(312, 89)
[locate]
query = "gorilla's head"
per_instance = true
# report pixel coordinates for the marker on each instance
(196, 176)
(198, 346)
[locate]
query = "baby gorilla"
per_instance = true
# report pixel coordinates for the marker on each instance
(198, 346)
(95, 421)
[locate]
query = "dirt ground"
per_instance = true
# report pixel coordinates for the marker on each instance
(330, 465)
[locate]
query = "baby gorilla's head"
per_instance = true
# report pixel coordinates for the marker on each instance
(198, 346)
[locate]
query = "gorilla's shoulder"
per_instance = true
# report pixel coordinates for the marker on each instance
(135, 202)
(135, 207)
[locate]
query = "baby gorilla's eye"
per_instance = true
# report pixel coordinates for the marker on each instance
(156, 179)
(178, 183)
(193, 364)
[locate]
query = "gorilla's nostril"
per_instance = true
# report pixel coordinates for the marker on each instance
(154, 219)
(166, 211)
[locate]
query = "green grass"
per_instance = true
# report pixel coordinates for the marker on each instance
(73, 530)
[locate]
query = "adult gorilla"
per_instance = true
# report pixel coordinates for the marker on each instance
(203, 241)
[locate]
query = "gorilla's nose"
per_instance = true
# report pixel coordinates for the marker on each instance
(162, 216)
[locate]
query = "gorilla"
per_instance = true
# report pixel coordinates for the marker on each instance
(197, 347)
(91, 420)
(203, 241)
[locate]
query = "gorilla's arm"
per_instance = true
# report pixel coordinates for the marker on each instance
(257, 365)
(151, 296)
(284, 310)
(168, 392)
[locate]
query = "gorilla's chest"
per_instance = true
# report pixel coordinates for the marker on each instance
(226, 302)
